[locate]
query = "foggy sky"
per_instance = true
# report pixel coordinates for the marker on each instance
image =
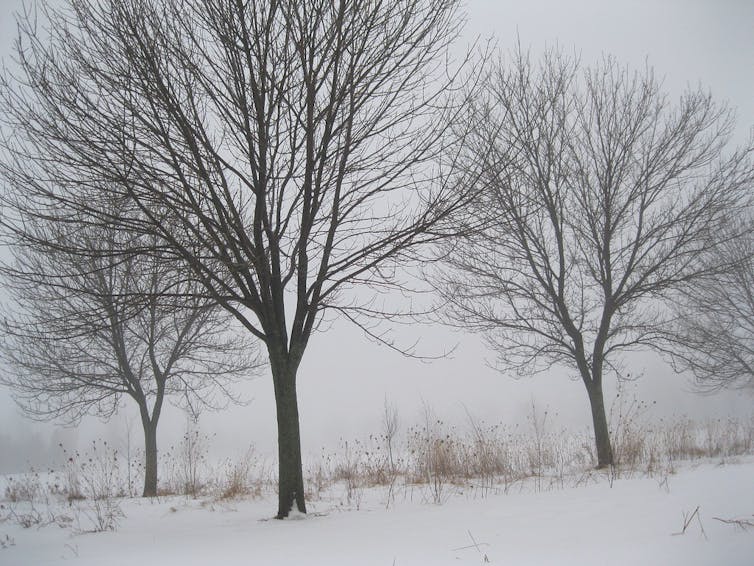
(344, 379)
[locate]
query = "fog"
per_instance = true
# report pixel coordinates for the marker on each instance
(345, 379)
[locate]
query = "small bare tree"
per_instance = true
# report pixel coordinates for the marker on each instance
(87, 331)
(285, 152)
(716, 319)
(597, 200)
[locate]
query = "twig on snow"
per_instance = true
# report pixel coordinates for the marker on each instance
(687, 518)
(742, 524)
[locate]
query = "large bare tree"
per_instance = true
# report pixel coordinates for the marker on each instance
(598, 198)
(716, 318)
(86, 330)
(286, 152)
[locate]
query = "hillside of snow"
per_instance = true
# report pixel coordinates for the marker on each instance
(699, 514)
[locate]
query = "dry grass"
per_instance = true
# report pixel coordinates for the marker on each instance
(431, 460)
(439, 458)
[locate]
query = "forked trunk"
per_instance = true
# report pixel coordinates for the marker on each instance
(290, 472)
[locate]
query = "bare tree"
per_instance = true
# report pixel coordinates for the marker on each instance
(286, 152)
(87, 331)
(716, 319)
(598, 198)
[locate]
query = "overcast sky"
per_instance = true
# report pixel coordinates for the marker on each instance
(345, 378)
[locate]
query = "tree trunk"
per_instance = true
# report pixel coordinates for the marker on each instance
(290, 472)
(150, 458)
(599, 420)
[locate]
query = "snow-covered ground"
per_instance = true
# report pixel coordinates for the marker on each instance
(586, 522)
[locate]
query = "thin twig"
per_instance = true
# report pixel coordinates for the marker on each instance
(742, 524)
(687, 521)
(477, 546)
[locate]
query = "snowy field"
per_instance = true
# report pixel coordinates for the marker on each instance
(586, 521)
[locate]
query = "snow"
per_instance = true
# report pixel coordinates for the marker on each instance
(588, 521)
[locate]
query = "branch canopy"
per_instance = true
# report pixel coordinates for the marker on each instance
(278, 149)
(83, 332)
(598, 199)
(715, 318)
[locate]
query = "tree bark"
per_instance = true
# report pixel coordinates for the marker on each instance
(290, 471)
(599, 420)
(150, 458)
